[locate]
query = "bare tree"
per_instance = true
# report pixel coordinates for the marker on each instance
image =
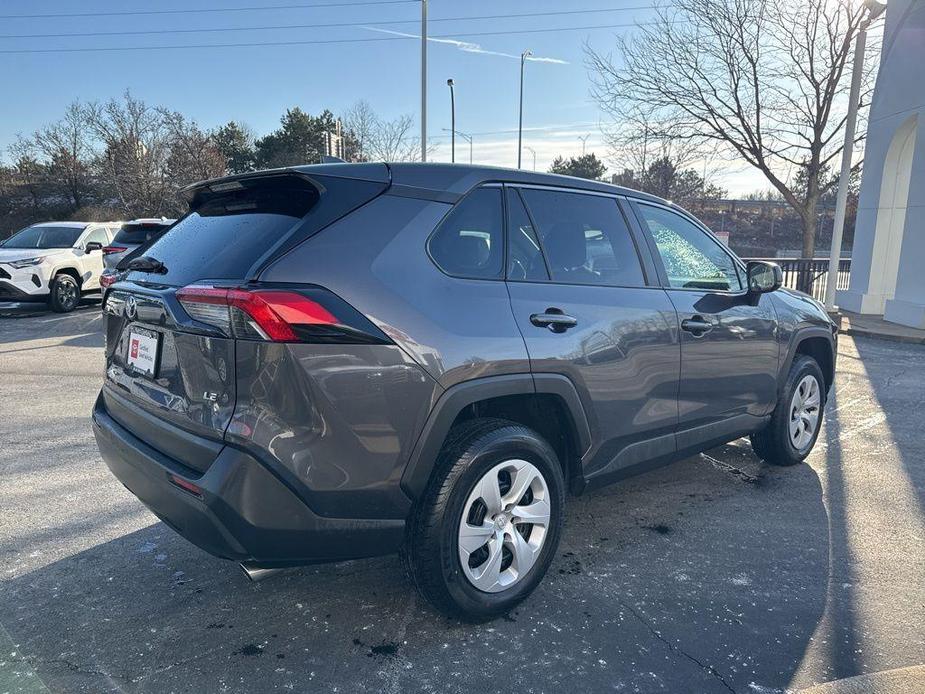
(361, 122)
(381, 140)
(761, 79)
(636, 140)
(392, 140)
(136, 146)
(194, 154)
(67, 146)
(27, 173)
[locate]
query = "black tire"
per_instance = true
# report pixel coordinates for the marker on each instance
(431, 550)
(65, 293)
(773, 443)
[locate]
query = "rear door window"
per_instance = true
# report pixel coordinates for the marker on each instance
(98, 235)
(525, 259)
(469, 241)
(585, 238)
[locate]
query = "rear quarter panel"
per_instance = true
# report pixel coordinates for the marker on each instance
(375, 259)
(337, 422)
(343, 420)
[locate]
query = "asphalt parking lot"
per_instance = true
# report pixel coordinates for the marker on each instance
(716, 574)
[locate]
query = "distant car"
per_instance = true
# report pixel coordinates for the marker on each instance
(131, 236)
(108, 277)
(54, 262)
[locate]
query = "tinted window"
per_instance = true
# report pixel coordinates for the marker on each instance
(227, 233)
(44, 237)
(692, 259)
(585, 238)
(469, 240)
(235, 225)
(99, 235)
(138, 233)
(525, 260)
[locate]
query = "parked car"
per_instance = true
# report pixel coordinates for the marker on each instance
(338, 361)
(131, 236)
(54, 262)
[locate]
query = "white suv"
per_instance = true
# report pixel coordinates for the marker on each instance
(56, 262)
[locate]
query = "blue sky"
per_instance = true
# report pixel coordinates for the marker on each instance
(254, 85)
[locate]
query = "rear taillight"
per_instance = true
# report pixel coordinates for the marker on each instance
(106, 281)
(109, 250)
(278, 315)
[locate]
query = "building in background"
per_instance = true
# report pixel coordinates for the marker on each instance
(888, 262)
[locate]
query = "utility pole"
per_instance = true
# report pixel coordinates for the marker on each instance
(874, 10)
(449, 83)
(423, 80)
(520, 120)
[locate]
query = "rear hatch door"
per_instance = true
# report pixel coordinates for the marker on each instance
(170, 379)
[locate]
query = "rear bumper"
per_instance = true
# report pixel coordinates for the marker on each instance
(244, 512)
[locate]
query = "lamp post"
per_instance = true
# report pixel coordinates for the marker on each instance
(449, 83)
(423, 80)
(874, 10)
(533, 152)
(467, 137)
(520, 120)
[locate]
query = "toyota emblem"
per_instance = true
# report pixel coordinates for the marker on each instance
(131, 308)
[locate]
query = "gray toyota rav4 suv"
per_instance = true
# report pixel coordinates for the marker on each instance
(346, 360)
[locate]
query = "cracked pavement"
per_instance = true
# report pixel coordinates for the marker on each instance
(715, 574)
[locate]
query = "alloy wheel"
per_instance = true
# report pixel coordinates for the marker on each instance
(67, 294)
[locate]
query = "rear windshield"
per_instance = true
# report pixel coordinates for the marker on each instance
(229, 230)
(138, 233)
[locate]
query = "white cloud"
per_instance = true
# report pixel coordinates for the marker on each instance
(469, 46)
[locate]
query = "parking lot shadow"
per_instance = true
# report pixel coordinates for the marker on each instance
(708, 575)
(896, 374)
(82, 328)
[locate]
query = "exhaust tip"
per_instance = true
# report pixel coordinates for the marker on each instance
(257, 573)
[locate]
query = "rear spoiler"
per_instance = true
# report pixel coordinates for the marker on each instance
(375, 173)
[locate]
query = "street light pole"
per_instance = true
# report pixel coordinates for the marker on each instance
(520, 120)
(449, 83)
(874, 10)
(466, 136)
(533, 152)
(423, 80)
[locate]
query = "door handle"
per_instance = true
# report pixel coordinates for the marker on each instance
(697, 326)
(554, 319)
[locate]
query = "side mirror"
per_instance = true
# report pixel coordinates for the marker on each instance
(763, 277)
(93, 246)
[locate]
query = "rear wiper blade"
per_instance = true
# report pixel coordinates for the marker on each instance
(145, 263)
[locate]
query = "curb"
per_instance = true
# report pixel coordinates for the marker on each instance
(860, 332)
(889, 335)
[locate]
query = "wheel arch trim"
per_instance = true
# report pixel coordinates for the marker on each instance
(445, 411)
(67, 270)
(799, 336)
